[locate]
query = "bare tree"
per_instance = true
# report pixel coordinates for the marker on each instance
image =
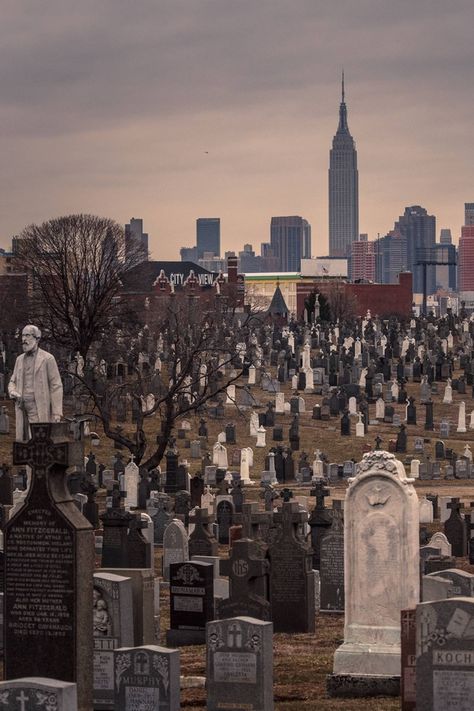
(342, 303)
(76, 264)
(196, 342)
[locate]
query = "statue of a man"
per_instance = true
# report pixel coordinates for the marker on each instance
(35, 385)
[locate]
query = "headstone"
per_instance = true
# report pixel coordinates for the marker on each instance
(31, 693)
(224, 517)
(112, 628)
(381, 568)
(455, 529)
(145, 603)
(331, 569)
(131, 481)
(191, 602)
(292, 581)
(49, 554)
(201, 540)
(239, 664)
(248, 572)
(462, 582)
(408, 661)
(434, 587)
(146, 679)
(426, 510)
(175, 546)
(445, 655)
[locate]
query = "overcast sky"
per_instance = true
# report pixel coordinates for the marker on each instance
(171, 110)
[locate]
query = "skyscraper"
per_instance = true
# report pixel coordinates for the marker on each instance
(208, 236)
(290, 239)
(468, 213)
(362, 261)
(466, 259)
(419, 230)
(135, 238)
(343, 188)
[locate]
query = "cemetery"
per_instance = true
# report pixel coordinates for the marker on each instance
(279, 517)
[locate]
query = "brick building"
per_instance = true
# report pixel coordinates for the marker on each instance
(466, 259)
(380, 299)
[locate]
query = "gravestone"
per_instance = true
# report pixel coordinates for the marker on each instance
(201, 540)
(146, 679)
(196, 487)
(112, 628)
(445, 655)
(224, 516)
(434, 587)
(38, 693)
(455, 529)
(462, 582)
(160, 516)
(381, 573)
(49, 561)
(139, 547)
(331, 569)
(292, 581)
(248, 572)
(239, 664)
(131, 481)
(175, 546)
(408, 660)
(116, 522)
(319, 520)
(191, 602)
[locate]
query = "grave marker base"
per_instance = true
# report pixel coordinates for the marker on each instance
(353, 686)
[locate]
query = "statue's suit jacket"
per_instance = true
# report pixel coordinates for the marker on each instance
(47, 386)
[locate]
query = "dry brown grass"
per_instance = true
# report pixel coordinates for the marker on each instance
(301, 662)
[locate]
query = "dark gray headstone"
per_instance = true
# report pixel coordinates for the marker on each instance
(445, 655)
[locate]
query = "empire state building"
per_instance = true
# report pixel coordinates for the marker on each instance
(343, 188)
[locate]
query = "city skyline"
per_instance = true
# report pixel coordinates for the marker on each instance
(174, 111)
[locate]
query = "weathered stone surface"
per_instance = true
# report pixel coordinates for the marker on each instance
(49, 554)
(381, 565)
(445, 655)
(239, 664)
(36, 693)
(146, 679)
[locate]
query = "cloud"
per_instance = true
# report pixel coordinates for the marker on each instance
(110, 106)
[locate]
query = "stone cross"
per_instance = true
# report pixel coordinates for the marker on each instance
(290, 518)
(320, 491)
(201, 519)
(40, 452)
(22, 699)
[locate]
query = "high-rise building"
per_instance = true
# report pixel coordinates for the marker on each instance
(362, 261)
(445, 236)
(466, 259)
(419, 230)
(343, 188)
(135, 238)
(445, 271)
(290, 239)
(390, 257)
(469, 213)
(188, 254)
(208, 236)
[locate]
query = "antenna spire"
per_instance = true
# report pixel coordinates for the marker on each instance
(343, 92)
